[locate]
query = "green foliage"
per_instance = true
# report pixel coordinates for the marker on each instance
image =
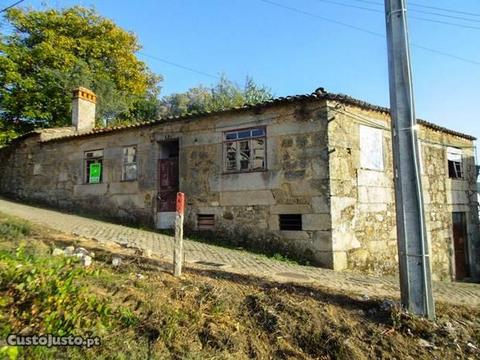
(224, 95)
(50, 52)
(127, 317)
(14, 229)
(9, 352)
(44, 295)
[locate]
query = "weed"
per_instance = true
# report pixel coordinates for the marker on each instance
(14, 229)
(127, 317)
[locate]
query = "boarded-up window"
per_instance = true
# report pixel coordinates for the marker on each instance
(129, 170)
(371, 148)
(244, 150)
(454, 158)
(93, 166)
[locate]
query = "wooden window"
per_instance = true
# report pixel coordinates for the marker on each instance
(454, 158)
(290, 221)
(129, 166)
(371, 148)
(205, 221)
(93, 166)
(245, 150)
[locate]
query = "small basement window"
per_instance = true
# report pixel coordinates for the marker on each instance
(205, 221)
(454, 158)
(93, 162)
(290, 221)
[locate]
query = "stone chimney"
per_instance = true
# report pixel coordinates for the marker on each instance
(83, 111)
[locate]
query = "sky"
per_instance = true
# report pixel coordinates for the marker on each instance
(295, 51)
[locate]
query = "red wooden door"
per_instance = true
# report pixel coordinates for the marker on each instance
(167, 184)
(462, 269)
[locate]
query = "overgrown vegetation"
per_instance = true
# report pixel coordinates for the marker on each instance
(13, 229)
(141, 312)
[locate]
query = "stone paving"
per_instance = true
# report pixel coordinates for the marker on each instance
(235, 261)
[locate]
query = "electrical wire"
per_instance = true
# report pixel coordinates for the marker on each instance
(412, 16)
(11, 6)
(414, 4)
(354, 27)
(179, 65)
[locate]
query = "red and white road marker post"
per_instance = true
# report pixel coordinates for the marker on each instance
(178, 245)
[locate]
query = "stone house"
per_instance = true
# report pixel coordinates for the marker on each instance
(309, 176)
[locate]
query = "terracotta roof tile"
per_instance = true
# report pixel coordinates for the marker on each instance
(318, 94)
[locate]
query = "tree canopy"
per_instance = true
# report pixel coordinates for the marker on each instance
(49, 53)
(224, 95)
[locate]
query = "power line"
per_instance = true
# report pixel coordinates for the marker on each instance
(444, 9)
(411, 16)
(410, 10)
(11, 6)
(354, 27)
(414, 4)
(323, 18)
(179, 65)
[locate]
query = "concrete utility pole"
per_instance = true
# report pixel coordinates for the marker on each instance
(178, 245)
(414, 262)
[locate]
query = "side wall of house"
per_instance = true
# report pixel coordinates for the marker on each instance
(246, 206)
(363, 200)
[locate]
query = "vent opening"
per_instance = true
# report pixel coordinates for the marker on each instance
(205, 221)
(290, 221)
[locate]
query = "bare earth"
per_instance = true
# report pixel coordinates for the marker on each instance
(200, 255)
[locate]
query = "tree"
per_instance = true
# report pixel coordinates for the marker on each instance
(224, 95)
(49, 53)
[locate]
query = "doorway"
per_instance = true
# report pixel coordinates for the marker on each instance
(167, 183)
(460, 246)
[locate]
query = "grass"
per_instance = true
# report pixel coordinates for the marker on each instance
(204, 314)
(13, 229)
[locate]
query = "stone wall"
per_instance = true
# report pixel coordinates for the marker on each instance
(363, 200)
(246, 206)
(313, 169)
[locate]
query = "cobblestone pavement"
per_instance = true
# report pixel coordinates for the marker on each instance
(234, 261)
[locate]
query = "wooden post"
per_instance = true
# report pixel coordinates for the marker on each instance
(178, 246)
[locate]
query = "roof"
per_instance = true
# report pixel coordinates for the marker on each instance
(319, 94)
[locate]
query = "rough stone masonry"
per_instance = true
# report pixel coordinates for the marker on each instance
(306, 176)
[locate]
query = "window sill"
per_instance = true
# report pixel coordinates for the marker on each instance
(243, 172)
(100, 183)
(128, 181)
(376, 170)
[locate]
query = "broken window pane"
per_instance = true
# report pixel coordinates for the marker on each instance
(454, 158)
(129, 171)
(244, 154)
(231, 158)
(258, 158)
(129, 154)
(245, 150)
